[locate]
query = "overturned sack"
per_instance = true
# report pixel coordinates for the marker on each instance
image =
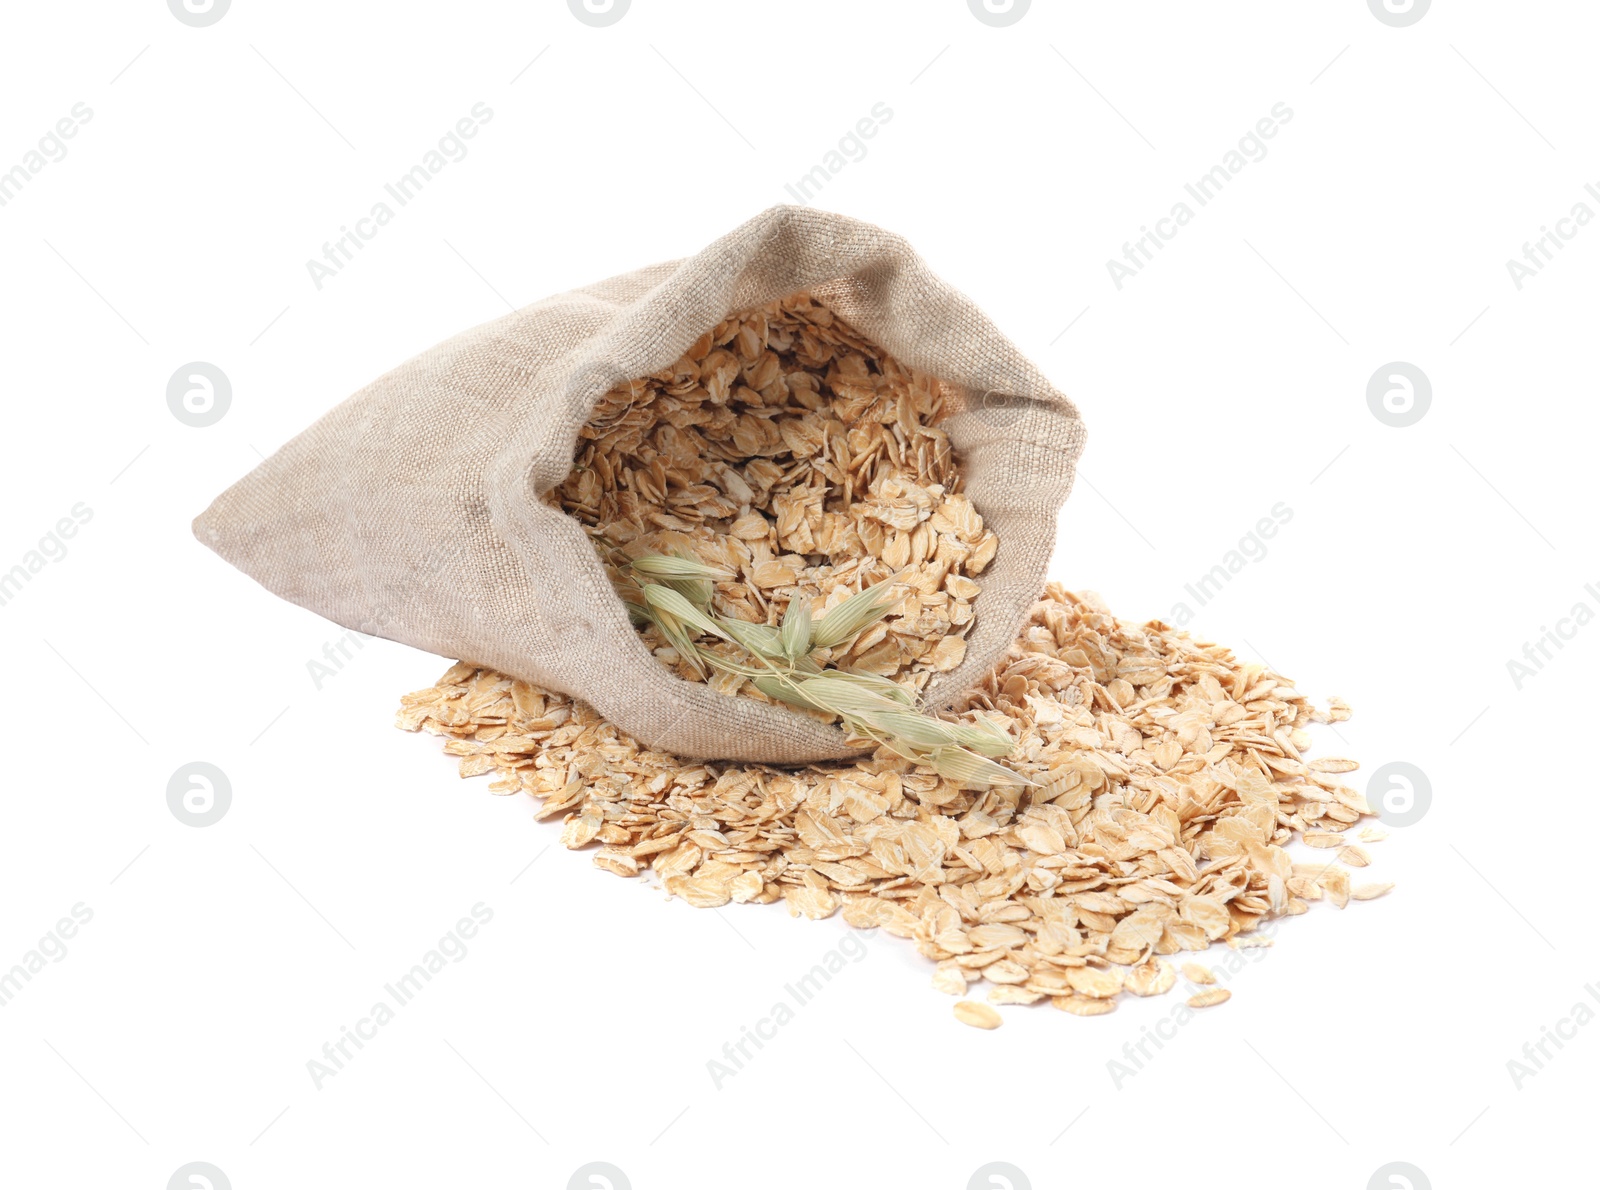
(416, 510)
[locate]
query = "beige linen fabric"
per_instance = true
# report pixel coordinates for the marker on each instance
(412, 510)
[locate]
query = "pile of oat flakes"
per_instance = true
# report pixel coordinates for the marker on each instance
(1170, 776)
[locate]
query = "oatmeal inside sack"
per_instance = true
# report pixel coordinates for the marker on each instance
(804, 461)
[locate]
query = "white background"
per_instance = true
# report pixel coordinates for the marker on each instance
(1229, 375)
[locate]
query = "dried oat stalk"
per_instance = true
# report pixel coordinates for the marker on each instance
(673, 596)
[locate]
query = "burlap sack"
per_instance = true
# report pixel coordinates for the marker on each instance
(412, 511)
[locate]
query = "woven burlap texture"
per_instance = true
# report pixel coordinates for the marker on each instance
(412, 510)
